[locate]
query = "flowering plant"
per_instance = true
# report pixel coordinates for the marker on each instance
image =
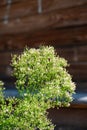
(43, 82)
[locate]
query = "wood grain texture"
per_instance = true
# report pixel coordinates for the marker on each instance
(5, 2)
(50, 5)
(74, 54)
(58, 38)
(24, 7)
(19, 9)
(76, 16)
(75, 117)
(78, 71)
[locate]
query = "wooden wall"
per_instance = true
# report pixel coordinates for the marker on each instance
(62, 24)
(68, 118)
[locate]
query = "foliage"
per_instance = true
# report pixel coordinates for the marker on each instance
(43, 82)
(1, 92)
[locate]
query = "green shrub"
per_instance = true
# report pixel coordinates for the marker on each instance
(43, 82)
(1, 92)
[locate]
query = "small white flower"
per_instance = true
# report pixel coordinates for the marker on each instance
(25, 94)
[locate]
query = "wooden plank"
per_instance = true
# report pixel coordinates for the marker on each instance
(60, 37)
(57, 38)
(75, 117)
(67, 53)
(82, 53)
(6, 57)
(71, 17)
(56, 19)
(5, 2)
(78, 71)
(25, 7)
(4, 71)
(81, 106)
(50, 5)
(73, 54)
(18, 10)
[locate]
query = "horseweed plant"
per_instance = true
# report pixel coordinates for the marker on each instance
(43, 82)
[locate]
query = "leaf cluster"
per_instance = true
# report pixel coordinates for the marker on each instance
(43, 82)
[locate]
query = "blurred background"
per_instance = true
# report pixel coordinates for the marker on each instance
(60, 23)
